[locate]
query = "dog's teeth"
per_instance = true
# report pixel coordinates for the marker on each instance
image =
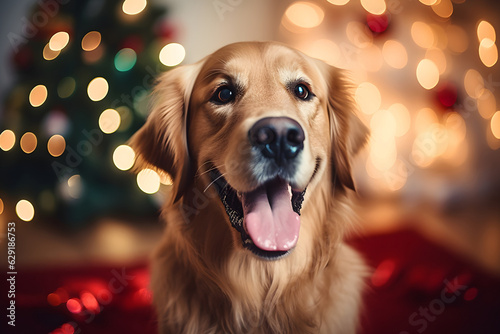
(290, 191)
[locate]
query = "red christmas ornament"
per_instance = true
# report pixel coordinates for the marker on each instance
(377, 23)
(447, 94)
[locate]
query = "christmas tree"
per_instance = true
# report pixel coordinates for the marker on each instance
(84, 72)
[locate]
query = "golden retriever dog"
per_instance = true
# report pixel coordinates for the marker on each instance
(259, 140)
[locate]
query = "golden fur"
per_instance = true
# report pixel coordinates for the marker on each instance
(203, 280)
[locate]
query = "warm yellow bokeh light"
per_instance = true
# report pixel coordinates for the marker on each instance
(443, 8)
(59, 41)
(133, 7)
(486, 104)
(423, 35)
(495, 125)
(438, 57)
(98, 89)
(148, 181)
(456, 127)
(424, 119)
(395, 54)
(25, 210)
(486, 30)
(109, 121)
(338, 2)
(38, 95)
(7, 140)
(383, 154)
(458, 40)
(305, 14)
(488, 52)
(172, 54)
(368, 97)
(75, 186)
(91, 41)
(325, 50)
(427, 74)
(402, 117)
(1, 206)
(359, 34)
(28, 142)
(49, 54)
(383, 126)
(428, 2)
(124, 157)
(376, 7)
(473, 83)
(56, 145)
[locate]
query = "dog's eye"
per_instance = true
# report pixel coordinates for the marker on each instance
(302, 92)
(223, 95)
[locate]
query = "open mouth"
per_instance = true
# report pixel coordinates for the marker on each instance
(267, 218)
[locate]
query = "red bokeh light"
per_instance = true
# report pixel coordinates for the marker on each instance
(90, 302)
(74, 305)
(383, 273)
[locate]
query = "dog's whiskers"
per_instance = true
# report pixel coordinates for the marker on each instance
(211, 183)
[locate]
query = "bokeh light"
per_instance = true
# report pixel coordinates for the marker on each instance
(38, 95)
(473, 83)
(423, 35)
(368, 97)
(49, 54)
(25, 210)
(438, 58)
(125, 59)
(133, 7)
(486, 30)
(486, 104)
(427, 74)
(338, 2)
(91, 41)
(424, 118)
(148, 181)
(7, 140)
(376, 7)
(59, 41)
(305, 14)
(56, 145)
(172, 54)
(97, 89)
(495, 124)
(443, 8)
(488, 52)
(28, 142)
(359, 34)
(109, 121)
(75, 186)
(66, 87)
(325, 50)
(428, 2)
(1, 206)
(402, 118)
(74, 305)
(383, 125)
(124, 157)
(395, 54)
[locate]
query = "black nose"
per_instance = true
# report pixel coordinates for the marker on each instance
(278, 138)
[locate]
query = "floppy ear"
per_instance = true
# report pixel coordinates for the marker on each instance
(347, 131)
(161, 143)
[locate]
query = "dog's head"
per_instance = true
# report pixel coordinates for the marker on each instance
(263, 125)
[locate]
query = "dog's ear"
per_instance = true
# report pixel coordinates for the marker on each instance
(347, 131)
(161, 143)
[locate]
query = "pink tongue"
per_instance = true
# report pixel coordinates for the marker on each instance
(269, 218)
